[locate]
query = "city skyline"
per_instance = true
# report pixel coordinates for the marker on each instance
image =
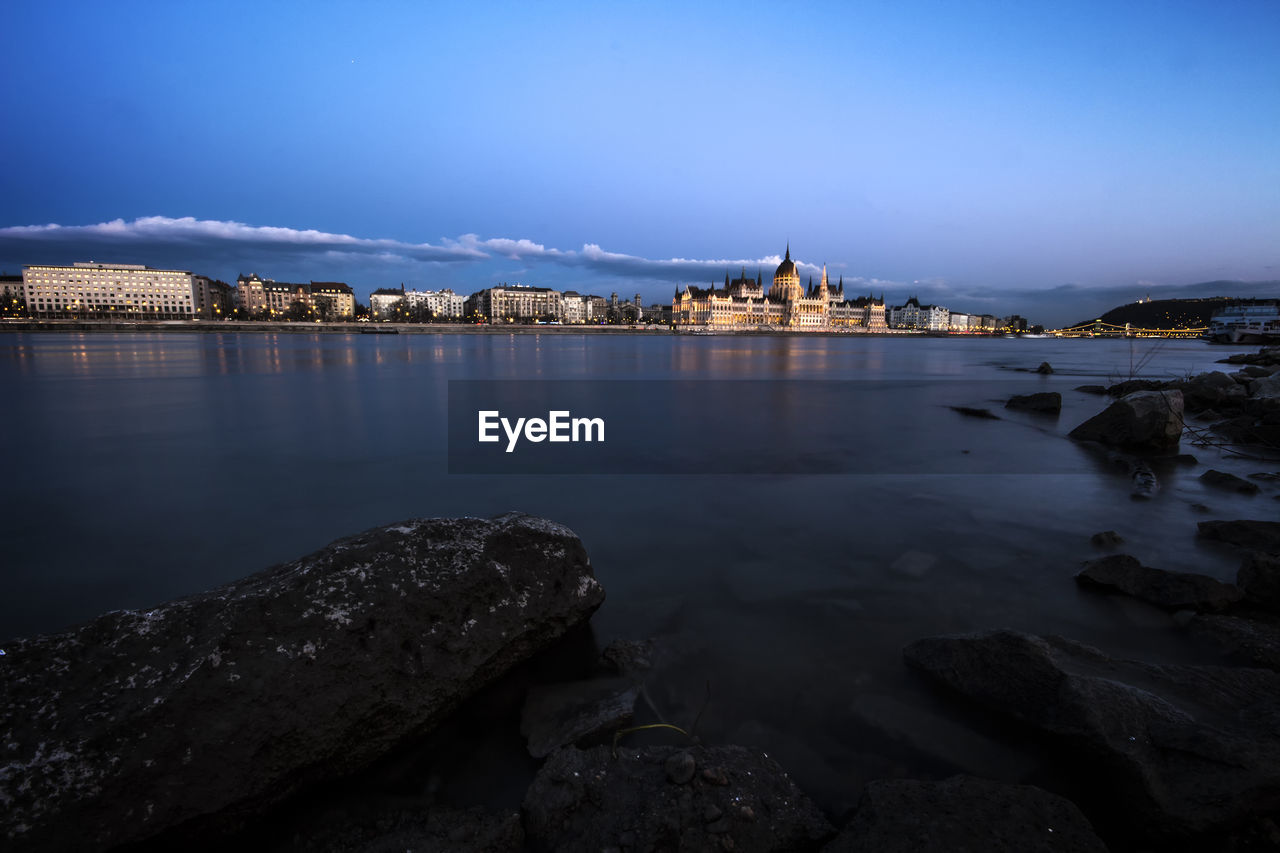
(1044, 162)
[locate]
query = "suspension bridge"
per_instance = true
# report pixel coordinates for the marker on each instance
(1099, 329)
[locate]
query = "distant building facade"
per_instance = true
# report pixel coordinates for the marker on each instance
(92, 290)
(515, 304)
(743, 304)
(214, 300)
(270, 299)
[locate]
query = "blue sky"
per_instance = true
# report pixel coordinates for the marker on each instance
(981, 154)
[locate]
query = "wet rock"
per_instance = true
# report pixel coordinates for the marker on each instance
(1254, 371)
(1169, 590)
(1130, 386)
(1268, 387)
(680, 768)
(1253, 535)
(971, 412)
(630, 658)
(1187, 749)
(1259, 577)
(1266, 476)
(1092, 389)
(1144, 420)
(1214, 390)
(1044, 368)
(1253, 640)
(195, 715)
(964, 815)
(1045, 402)
(584, 799)
(1267, 356)
(1106, 539)
(392, 830)
(1230, 482)
(557, 715)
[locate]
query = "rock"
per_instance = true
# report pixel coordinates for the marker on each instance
(1144, 420)
(1169, 590)
(193, 716)
(1223, 480)
(1044, 368)
(1259, 577)
(392, 830)
(1045, 402)
(1267, 387)
(1254, 371)
(586, 799)
(1265, 357)
(1142, 480)
(557, 715)
(1266, 476)
(1186, 749)
(1254, 535)
(1106, 539)
(1092, 389)
(964, 815)
(1255, 640)
(1130, 386)
(971, 412)
(1214, 390)
(680, 768)
(630, 658)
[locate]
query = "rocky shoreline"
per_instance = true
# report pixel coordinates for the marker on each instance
(374, 694)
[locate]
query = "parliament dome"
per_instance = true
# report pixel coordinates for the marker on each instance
(787, 269)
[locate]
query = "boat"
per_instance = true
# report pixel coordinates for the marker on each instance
(1245, 324)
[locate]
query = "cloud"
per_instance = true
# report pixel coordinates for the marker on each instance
(223, 249)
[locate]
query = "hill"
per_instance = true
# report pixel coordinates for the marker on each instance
(1169, 313)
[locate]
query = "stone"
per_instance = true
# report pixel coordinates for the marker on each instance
(1092, 389)
(192, 717)
(630, 658)
(1252, 535)
(1267, 387)
(1253, 640)
(1129, 386)
(972, 412)
(1187, 749)
(557, 715)
(1044, 368)
(1143, 420)
(964, 814)
(583, 800)
(1045, 402)
(1106, 539)
(680, 768)
(1169, 590)
(395, 829)
(1259, 577)
(1214, 390)
(1230, 482)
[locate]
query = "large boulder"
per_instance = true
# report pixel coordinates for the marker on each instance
(1170, 590)
(964, 815)
(1251, 535)
(668, 798)
(1259, 577)
(1043, 402)
(192, 716)
(1215, 390)
(1187, 749)
(1143, 420)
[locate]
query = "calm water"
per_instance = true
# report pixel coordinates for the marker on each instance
(143, 467)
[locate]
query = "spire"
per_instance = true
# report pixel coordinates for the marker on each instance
(824, 275)
(726, 279)
(759, 278)
(788, 250)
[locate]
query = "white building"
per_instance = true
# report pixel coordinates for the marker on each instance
(128, 291)
(436, 303)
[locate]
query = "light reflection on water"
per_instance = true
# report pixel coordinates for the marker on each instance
(143, 467)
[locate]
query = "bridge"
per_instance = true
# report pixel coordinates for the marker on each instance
(1099, 329)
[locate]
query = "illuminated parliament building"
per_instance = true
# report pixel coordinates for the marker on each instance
(743, 304)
